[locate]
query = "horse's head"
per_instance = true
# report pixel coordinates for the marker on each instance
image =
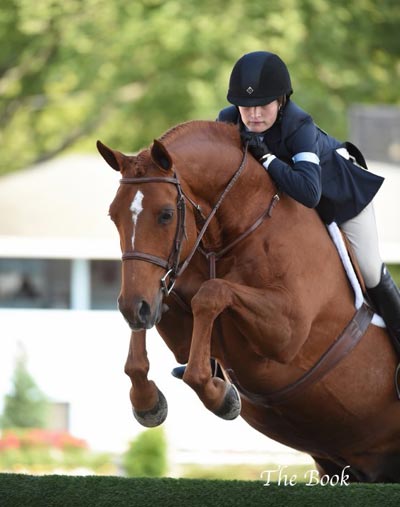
(149, 213)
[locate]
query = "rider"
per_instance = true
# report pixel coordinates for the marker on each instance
(311, 167)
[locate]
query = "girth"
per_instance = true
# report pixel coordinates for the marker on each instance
(339, 349)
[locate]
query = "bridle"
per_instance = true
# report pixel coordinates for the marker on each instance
(172, 265)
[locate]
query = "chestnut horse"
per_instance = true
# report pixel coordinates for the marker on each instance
(226, 271)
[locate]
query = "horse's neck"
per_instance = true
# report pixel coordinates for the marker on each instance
(207, 175)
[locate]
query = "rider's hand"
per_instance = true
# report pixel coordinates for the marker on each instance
(256, 145)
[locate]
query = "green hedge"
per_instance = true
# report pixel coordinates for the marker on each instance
(147, 454)
(63, 491)
(395, 272)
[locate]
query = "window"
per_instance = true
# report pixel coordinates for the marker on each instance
(48, 283)
(105, 284)
(34, 283)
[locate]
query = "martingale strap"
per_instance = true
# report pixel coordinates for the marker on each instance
(203, 230)
(339, 349)
(213, 257)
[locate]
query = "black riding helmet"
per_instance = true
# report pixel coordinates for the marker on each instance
(257, 79)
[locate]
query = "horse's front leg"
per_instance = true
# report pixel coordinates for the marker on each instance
(219, 396)
(148, 402)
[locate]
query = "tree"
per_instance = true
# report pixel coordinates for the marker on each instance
(349, 54)
(26, 405)
(147, 455)
(124, 71)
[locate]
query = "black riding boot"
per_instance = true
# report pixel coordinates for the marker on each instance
(216, 371)
(386, 299)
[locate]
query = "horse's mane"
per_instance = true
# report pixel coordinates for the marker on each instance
(202, 129)
(182, 134)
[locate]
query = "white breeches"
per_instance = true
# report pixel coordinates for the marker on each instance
(363, 236)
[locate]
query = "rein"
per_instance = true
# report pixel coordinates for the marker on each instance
(172, 266)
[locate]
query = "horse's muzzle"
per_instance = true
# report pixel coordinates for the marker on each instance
(139, 314)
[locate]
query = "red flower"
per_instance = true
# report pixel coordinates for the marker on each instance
(9, 441)
(37, 437)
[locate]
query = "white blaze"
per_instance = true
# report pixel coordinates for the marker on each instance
(136, 208)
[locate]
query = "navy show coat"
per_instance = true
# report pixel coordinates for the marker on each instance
(338, 188)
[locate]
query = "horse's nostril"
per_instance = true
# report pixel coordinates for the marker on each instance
(143, 311)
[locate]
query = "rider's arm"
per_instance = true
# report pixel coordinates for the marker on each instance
(302, 179)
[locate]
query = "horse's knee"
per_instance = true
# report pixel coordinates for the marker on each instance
(136, 371)
(213, 295)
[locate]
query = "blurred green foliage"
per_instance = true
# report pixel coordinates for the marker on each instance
(26, 405)
(147, 455)
(125, 71)
(395, 272)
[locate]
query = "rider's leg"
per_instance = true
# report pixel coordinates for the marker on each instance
(362, 234)
(382, 290)
(386, 298)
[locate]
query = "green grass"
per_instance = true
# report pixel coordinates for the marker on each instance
(65, 491)
(240, 472)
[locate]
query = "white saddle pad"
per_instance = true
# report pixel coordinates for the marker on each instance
(337, 239)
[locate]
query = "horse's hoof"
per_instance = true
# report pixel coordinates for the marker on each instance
(231, 404)
(155, 416)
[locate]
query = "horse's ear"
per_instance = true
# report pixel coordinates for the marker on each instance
(112, 157)
(160, 156)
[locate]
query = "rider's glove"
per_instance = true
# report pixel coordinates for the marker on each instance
(257, 147)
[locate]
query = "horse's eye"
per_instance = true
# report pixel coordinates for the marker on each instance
(165, 216)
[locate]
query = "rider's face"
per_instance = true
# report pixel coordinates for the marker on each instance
(260, 118)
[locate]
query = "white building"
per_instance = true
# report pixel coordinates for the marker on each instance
(59, 280)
